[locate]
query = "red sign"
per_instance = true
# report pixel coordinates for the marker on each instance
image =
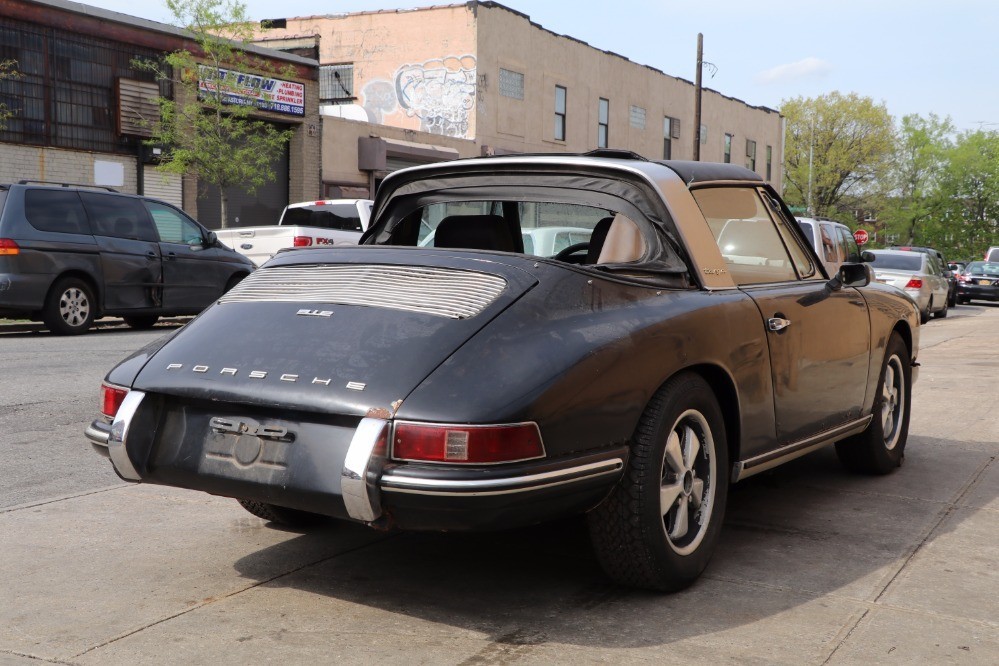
(861, 236)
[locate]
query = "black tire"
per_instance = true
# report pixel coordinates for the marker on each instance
(881, 448)
(924, 316)
(141, 322)
(952, 299)
(282, 515)
(637, 542)
(941, 314)
(70, 307)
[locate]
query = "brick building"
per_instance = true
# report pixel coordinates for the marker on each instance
(412, 86)
(75, 103)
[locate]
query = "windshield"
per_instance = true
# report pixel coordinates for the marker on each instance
(325, 216)
(899, 262)
(983, 268)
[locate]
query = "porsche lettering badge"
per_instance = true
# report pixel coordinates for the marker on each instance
(263, 374)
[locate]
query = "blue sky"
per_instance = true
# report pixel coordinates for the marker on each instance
(915, 56)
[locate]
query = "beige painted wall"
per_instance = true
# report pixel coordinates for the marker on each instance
(437, 69)
(412, 69)
(340, 147)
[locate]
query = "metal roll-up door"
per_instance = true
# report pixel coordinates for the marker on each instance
(262, 207)
(167, 187)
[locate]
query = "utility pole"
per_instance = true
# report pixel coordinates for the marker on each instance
(697, 97)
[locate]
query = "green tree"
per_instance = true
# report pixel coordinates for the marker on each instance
(837, 149)
(921, 155)
(967, 219)
(8, 71)
(203, 134)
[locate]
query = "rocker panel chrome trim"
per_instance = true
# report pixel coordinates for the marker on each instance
(771, 459)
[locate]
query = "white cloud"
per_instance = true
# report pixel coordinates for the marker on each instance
(810, 67)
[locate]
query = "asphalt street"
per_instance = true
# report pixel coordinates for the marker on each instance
(816, 566)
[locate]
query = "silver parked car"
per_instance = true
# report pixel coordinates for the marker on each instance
(917, 274)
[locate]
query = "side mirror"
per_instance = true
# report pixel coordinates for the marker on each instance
(855, 275)
(867, 256)
(212, 239)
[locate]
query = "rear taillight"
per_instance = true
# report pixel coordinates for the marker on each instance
(111, 399)
(467, 444)
(8, 247)
(302, 241)
(914, 283)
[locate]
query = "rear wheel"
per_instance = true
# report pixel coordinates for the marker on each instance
(924, 316)
(141, 322)
(69, 308)
(659, 526)
(881, 448)
(942, 313)
(282, 515)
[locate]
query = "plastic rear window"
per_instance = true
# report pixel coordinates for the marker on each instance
(900, 262)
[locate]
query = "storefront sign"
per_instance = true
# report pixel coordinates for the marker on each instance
(252, 90)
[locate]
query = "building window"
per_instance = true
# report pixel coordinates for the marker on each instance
(704, 134)
(511, 84)
(671, 130)
(336, 84)
(750, 154)
(603, 122)
(637, 117)
(66, 91)
(770, 157)
(727, 158)
(560, 93)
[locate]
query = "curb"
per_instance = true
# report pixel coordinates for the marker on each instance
(105, 323)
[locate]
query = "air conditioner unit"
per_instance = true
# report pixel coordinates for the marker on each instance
(674, 128)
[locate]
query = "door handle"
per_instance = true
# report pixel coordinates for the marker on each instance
(151, 255)
(775, 324)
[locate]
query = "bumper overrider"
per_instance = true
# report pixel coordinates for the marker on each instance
(341, 469)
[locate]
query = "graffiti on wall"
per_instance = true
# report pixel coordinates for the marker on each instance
(439, 92)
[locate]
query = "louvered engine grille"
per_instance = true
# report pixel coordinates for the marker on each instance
(443, 292)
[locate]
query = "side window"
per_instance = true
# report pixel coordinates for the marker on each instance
(173, 226)
(830, 244)
(50, 210)
(117, 216)
(851, 251)
(746, 235)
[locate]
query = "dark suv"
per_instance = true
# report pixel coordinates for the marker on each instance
(72, 253)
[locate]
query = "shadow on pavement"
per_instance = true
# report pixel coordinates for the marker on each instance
(791, 536)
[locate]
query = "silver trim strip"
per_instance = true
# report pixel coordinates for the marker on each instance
(361, 468)
(443, 292)
(118, 440)
(397, 483)
(771, 459)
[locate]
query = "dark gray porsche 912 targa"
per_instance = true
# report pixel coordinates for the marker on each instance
(520, 338)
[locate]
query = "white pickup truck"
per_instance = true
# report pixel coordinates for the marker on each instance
(305, 224)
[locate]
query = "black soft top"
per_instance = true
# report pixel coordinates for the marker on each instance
(700, 172)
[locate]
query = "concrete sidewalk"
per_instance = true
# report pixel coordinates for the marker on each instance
(816, 566)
